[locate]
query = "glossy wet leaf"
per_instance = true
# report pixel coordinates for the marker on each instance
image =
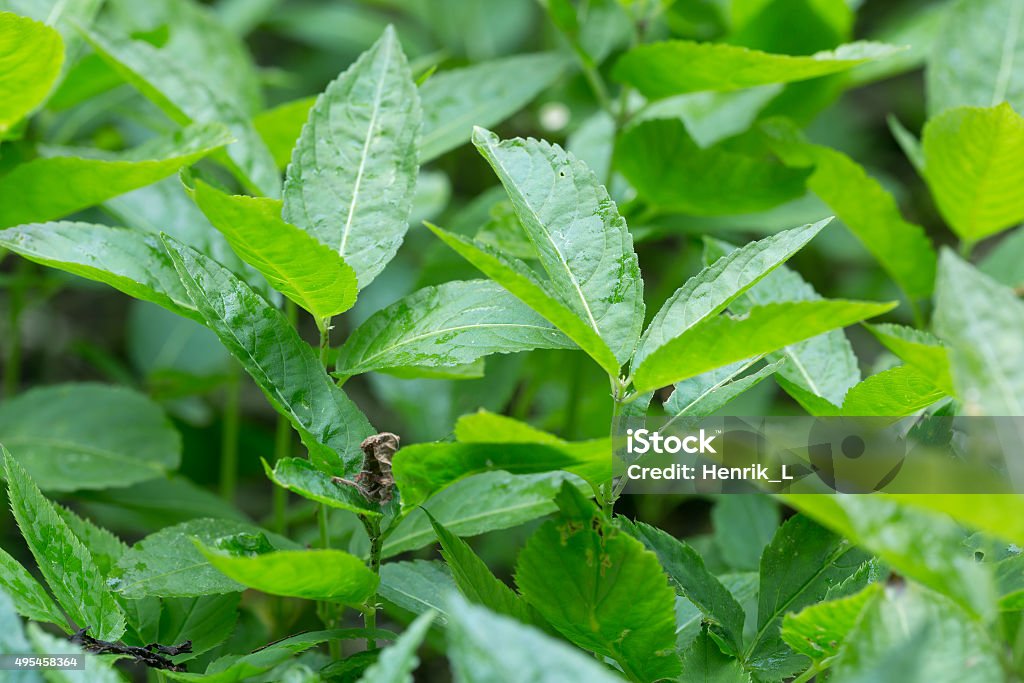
(353, 171)
(304, 479)
(397, 662)
(64, 562)
(601, 589)
(448, 325)
(31, 55)
(681, 66)
(316, 574)
(52, 187)
(88, 436)
(295, 264)
(582, 242)
(284, 366)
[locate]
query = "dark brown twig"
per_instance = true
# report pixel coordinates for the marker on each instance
(150, 655)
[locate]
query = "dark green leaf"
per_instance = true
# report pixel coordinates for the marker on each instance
(704, 662)
(303, 478)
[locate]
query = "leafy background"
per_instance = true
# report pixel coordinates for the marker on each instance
(135, 417)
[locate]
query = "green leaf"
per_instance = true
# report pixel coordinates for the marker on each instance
(982, 322)
(30, 599)
(488, 648)
(106, 548)
(582, 242)
(418, 586)
(799, 566)
(711, 290)
(326, 574)
(919, 349)
(915, 636)
(711, 117)
(680, 66)
(130, 261)
(977, 59)
(185, 97)
(484, 95)
(999, 515)
(866, 208)
(673, 174)
(516, 277)
(295, 264)
(1005, 263)
(922, 546)
(818, 631)
(720, 340)
(704, 662)
(97, 669)
(685, 567)
(353, 171)
(55, 186)
(284, 366)
(303, 478)
(899, 391)
(397, 662)
(710, 391)
(168, 564)
(601, 589)
(12, 640)
(206, 620)
(64, 562)
(744, 525)
(970, 163)
(824, 366)
(476, 582)
(31, 56)
(281, 126)
(452, 324)
(88, 436)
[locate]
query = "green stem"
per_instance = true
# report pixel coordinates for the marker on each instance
(283, 447)
(608, 490)
(16, 304)
(807, 675)
(376, 545)
(229, 437)
(326, 610)
(966, 247)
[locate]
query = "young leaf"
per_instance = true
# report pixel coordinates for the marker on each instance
(978, 58)
(31, 55)
(983, 324)
(477, 583)
(185, 97)
(582, 242)
(295, 264)
(818, 631)
(895, 392)
(919, 349)
(971, 164)
(488, 648)
(29, 598)
(717, 285)
(516, 277)
(798, 568)
(88, 436)
(673, 174)
(710, 391)
(867, 209)
(284, 366)
(53, 187)
(418, 586)
(397, 662)
(721, 340)
(303, 478)
(330, 575)
(685, 567)
(704, 662)
(353, 171)
(64, 562)
(744, 525)
(452, 324)
(680, 66)
(601, 589)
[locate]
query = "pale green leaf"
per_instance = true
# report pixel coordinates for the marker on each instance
(971, 163)
(352, 176)
(744, 525)
(418, 586)
(488, 648)
(295, 264)
(281, 126)
(284, 366)
(818, 631)
(31, 55)
(582, 242)
(97, 669)
(982, 322)
(302, 478)
(53, 187)
(919, 349)
(397, 662)
(680, 66)
(711, 117)
(88, 436)
(517, 278)
(12, 639)
(1001, 515)
(704, 662)
(30, 599)
(1005, 263)
(711, 391)
(601, 589)
(721, 340)
(64, 562)
(711, 290)
(314, 574)
(448, 325)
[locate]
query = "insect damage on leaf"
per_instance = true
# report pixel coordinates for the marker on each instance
(375, 481)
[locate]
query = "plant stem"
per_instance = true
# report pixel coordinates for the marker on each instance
(16, 304)
(966, 247)
(376, 545)
(229, 436)
(807, 675)
(326, 610)
(283, 447)
(608, 491)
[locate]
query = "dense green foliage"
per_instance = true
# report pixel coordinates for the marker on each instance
(395, 268)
